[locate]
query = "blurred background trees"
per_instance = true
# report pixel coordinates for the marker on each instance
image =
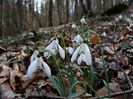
(17, 16)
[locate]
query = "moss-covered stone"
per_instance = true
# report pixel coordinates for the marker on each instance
(115, 9)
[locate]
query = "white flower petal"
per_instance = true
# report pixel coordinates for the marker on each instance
(82, 48)
(46, 68)
(47, 54)
(74, 26)
(34, 55)
(78, 39)
(70, 50)
(104, 34)
(82, 21)
(61, 51)
(120, 17)
(52, 47)
(80, 59)
(33, 67)
(131, 25)
(88, 57)
(75, 54)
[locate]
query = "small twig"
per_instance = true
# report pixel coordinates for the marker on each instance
(45, 97)
(116, 94)
(128, 79)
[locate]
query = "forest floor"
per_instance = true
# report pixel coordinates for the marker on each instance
(27, 70)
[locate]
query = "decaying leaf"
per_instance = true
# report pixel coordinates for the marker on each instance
(113, 87)
(4, 73)
(95, 38)
(109, 50)
(14, 76)
(2, 50)
(121, 74)
(7, 91)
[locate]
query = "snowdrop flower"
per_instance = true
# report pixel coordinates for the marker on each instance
(131, 25)
(34, 55)
(45, 31)
(24, 35)
(74, 26)
(82, 20)
(54, 48)
(31, 35)
(78, 39)
(104, 34)
(119, 18)
(70, 50)
(128, 19)
(38, 63)
(84, 55)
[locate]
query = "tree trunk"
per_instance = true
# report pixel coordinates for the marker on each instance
(83, 7)
(75, 10)
(67, 11)
(131, 7)
(1, 17)
(50, 12)
(20, 14)
(130, 2)
(59, 11)
(88, 2)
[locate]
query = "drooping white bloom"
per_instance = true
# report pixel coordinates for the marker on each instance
(74, 26)
(78, 39)
(82, 20)
(131, 25)
(119, 18)
(83, 53)
(46, 68)
(70, 50)
(31, 35)
(38, 63)
(54, 48)
(104, 34)
(34, 55)
(33, 67)
(116, 19)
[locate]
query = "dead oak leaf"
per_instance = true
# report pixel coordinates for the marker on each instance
(7, 91)
(4, 73)
(113, 87)
(15, 75)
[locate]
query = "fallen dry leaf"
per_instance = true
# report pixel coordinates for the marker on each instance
(14, 76)
(114, 87)
(4, 73)
(2, 50)
(109, 50)
(95, 39)
(7, 91)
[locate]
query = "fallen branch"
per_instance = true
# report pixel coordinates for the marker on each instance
(128, 79)
(45, 97)
(115, 94)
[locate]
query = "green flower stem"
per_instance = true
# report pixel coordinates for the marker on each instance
(105, 70)
(37, 88)
(82, 82)
(59, 74)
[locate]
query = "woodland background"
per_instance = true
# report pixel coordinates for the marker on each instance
(17, 16)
